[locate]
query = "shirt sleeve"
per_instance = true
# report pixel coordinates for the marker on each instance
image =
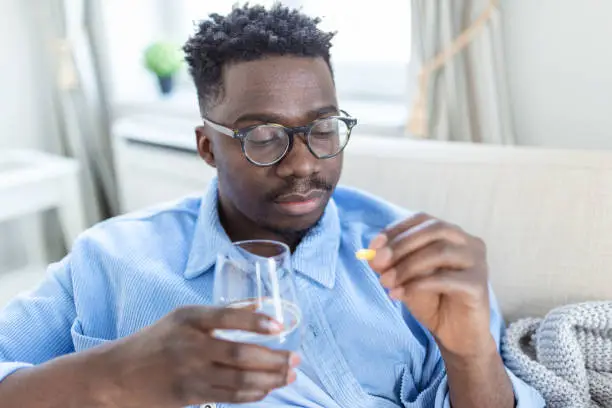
(35, 327)
(434, 382)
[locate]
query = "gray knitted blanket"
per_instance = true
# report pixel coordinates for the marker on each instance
(567, 356)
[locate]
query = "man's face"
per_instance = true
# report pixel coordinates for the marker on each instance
(291, 195)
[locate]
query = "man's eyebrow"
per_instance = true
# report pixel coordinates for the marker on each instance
(267, 117)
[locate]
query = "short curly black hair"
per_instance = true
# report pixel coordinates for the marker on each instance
(250, 33)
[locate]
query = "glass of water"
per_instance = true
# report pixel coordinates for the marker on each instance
(257, 275)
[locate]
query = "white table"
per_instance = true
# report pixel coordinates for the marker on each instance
(32, 182)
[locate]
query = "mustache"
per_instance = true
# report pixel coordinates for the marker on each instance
(300, 186)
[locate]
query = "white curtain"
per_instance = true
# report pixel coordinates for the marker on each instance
(70, 102)
(68, 28)
(458, 63)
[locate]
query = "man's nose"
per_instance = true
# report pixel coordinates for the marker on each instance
(299, 162)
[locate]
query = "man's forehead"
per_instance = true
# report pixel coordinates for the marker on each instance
(273, 69)
(288, 86)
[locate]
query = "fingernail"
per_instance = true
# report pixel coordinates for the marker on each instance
(255, 395)
(396, 293)
(291, 376)
(379, 241)
(294, 360)
(271, 325)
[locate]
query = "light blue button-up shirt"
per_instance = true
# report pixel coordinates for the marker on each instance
(360, 348)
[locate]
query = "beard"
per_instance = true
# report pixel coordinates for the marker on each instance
(292, 235)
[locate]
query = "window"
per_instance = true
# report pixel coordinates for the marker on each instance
(371, 49)
(368, 31)
(370, 55)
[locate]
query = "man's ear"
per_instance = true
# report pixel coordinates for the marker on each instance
(204, 146)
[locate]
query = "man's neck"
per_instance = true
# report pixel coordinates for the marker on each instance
(240, 228)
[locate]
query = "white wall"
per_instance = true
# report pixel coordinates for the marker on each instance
(559, 55)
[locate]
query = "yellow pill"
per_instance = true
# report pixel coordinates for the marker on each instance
(365, 254)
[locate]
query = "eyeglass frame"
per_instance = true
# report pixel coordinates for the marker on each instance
(241, 135)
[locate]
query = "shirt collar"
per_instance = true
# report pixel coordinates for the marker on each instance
(315, 257)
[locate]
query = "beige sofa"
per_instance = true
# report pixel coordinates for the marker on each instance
(545, 215)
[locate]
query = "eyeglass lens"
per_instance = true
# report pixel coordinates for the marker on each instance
(266, 144)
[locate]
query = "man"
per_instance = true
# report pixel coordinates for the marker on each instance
(123, 320)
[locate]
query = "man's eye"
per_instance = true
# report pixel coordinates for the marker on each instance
(325, 131)
(263, 139)
(323, 134)
(263, 142)
(325, 128)
(264, 136)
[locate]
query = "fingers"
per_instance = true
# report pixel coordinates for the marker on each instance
(426, 261)
(247, 372)
(200, 391)
(222, 395)
(232, 378)
(213, 369)
(420, 247)
(251, 356)
(416, 237)
(206, 318)
(424, 234)
(446, 282)
(394, 230)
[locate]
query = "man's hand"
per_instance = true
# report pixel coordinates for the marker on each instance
(178, 361)
(440, 273)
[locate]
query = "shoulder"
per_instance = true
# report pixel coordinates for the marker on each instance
(358, 209)
(153, 230)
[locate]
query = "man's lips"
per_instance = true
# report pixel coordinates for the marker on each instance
(300, 204)
(295, 198)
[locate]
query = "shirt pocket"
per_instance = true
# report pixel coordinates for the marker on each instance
(82, 341)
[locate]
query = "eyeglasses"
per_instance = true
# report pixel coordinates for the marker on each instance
(267, 144)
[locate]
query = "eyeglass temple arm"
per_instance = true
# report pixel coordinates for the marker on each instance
(348, 116)
(219, 128)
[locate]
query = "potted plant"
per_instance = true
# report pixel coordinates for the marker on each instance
(164, 59)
